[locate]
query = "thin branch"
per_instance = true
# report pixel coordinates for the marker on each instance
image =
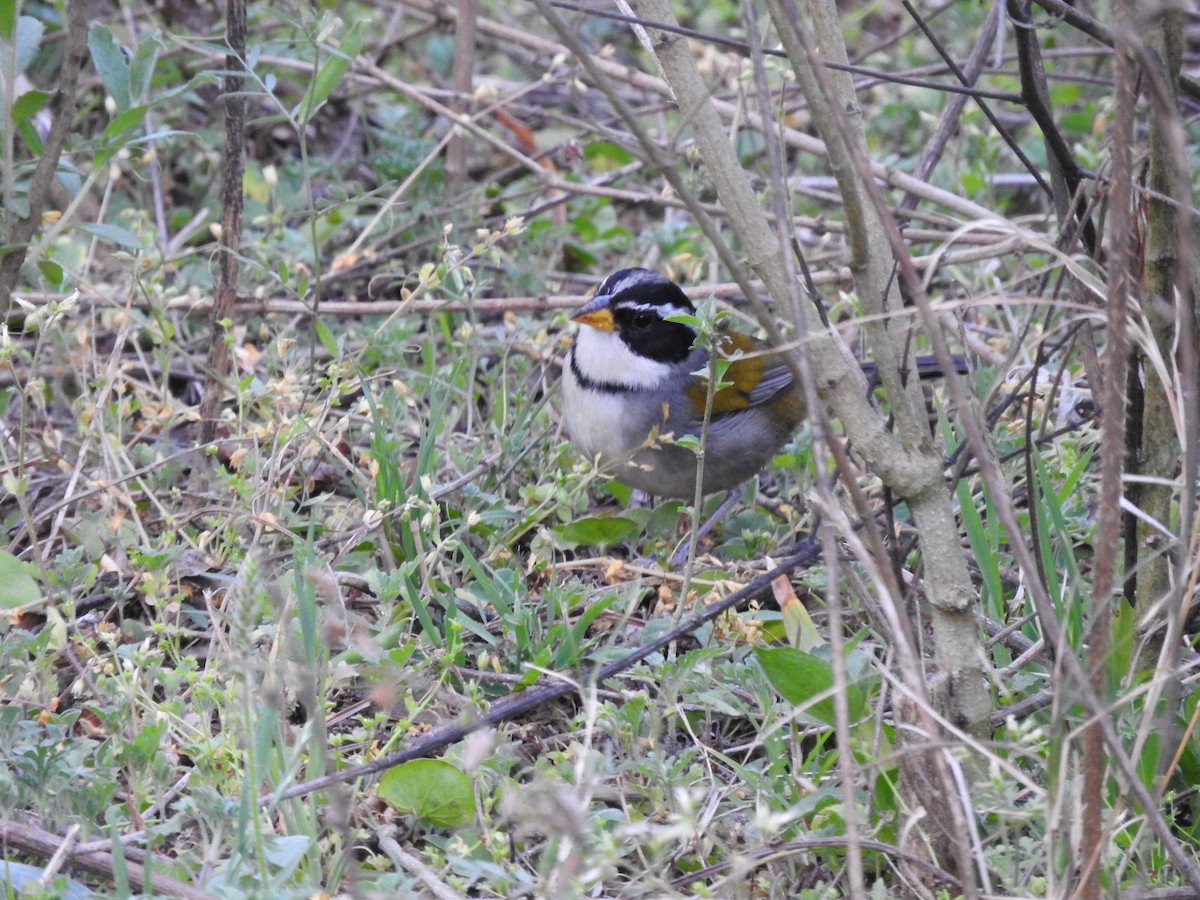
(949, 123)
(540, 694)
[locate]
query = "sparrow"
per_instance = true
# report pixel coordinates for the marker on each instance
(635, 382)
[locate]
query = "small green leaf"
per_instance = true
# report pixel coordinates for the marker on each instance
(1065, 94)
(285, 851)
(52, 272)
(432, 790)
(141, 67)
(606, 156)
(109, 58)
(1077, 122)
(622, 492)
(69, 178)
(800, 676)
(123, 122)
(801, 632)
(599, 531)
(327, 338)
(330, 75)
(972, 183)
(18, 584)
(30, 136)
(439, 53)
(29, 105)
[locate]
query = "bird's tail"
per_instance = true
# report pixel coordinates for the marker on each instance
(925, 367)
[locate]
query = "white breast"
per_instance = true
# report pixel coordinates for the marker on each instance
(610, 422)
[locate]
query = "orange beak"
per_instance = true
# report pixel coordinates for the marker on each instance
(596, 312)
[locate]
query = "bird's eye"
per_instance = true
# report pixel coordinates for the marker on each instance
(642, 319)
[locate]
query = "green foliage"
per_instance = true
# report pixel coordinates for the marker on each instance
(19, 580)
(806, 681)
(434, 791)
(390, 533)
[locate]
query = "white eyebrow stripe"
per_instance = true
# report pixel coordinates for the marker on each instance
(629, 278)
(663, 309)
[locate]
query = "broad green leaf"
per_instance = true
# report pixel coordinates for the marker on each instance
(28, 39)
(432, 790)
(598, 531)
(109, 58)
(18, 584)
(799, 677)
(111, 234)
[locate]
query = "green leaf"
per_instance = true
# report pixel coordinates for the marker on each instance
(622, 492)
(749, 143)
(111, 234)
(327, 338)
(19, 584)
(800, 677)
(141, 67)
(30, 136)
(432, 790)
(331, 73)
(801, 631)
(1065, 94)
(439, 54)
(1077, 122)
(29, 105)
(52, 272)
(17, 878)
(68, 176)
(123, 122)
(28, 40)
(972, 183)
(606, 156)
(286, 851)
(109, 59)
(599, 531)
